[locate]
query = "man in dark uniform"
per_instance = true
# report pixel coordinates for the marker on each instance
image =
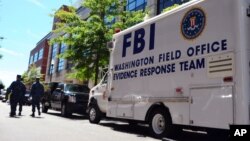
(17, 90)
(37, 90)
(20, 102)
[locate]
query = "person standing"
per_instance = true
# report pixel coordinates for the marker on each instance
(20, 102)
(17, 90)
(37, 90)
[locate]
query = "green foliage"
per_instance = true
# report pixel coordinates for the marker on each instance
(170, 8)
(30, 75)
(87, 40)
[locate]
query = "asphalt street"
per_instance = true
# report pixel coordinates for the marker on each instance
(53, 127)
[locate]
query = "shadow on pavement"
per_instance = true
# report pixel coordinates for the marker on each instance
(143, 131)
(38, 117)
(17, 117)
(139, 130)
(72, 117)
(186, 136)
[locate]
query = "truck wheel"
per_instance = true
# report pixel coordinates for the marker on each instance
(94, 114)
(159, 123)
(44, 108)
(64, 111)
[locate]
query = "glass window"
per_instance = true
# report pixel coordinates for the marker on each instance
(60, 65)
(31, 59)
(162, 4)
(35, 56)
(51, 69)
(109, 21)
(40, 55)
(69, 65)
(53, 55)
(54, 50)
(61, 86)
(62, 48)
(134, 5)
(76, 88)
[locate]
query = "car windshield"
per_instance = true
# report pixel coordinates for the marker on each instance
(76, 88)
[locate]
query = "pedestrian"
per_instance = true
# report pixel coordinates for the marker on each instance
(17, 90)
(20, 103)
(37, 90)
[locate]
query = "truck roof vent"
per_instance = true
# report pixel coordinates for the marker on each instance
(220, 65)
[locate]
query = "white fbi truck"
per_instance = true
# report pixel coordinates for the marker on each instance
(189, 67)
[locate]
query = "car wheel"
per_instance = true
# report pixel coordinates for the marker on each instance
(44, 108)
(160, 123)
(64, 111)
(94, 114)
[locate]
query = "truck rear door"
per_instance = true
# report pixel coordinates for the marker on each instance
(211, 106)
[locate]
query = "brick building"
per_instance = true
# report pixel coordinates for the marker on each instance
(57, 68)
(39, 55)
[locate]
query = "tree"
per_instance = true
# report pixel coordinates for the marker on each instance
(30, 75)
(170, 7)
(87, 41)
(174, 6)
(1, 85)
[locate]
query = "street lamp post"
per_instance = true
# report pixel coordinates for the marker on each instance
(51, 70)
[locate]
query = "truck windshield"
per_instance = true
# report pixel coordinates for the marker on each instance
(77, 88)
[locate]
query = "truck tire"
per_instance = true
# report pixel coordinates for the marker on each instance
(44, 108)
(160, 123)
(64, 110)
(94, 114)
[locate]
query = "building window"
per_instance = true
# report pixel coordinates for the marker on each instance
(62, 48)
(162, 4)
(53, 56)
(40, 55)
(35, 56)
(135, 5)
(51, 68)
(60, 65)
(69, 65)
(54, 50)
(109, 21)
(31, 59)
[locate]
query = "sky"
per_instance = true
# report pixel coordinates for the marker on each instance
(23, 23)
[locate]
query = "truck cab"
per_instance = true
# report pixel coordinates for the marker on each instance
(98, 100)
(67, 98)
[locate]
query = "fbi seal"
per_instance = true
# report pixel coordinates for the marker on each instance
(193, 23)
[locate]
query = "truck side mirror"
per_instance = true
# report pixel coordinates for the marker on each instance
(248, 11)
(110, 45)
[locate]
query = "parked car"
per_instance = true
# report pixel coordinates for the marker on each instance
(2, 94)
(68, 98)
(27, 98)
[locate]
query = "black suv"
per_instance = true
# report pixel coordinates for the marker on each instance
(68, 98)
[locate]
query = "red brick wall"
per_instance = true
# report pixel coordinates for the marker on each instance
(42, 62)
